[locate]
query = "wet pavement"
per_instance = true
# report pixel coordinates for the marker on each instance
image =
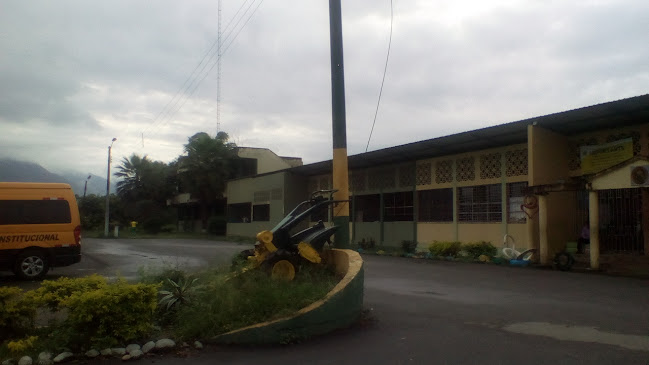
(436, 312)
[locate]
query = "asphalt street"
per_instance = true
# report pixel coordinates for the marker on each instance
(433, 312)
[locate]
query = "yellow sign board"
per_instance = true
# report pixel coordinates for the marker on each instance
(597, 158)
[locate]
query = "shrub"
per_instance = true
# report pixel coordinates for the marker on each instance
(16, 313)
(444, 248)
(110, 315)
(19, 347)
(477, 249)
(409, 246)
(52, 292)
(367, 244)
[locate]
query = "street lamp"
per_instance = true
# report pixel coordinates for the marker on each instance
(85, 186)
(108, 190)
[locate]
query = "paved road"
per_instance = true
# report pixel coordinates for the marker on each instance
(451, 313)
(124, 257)
(432, 312)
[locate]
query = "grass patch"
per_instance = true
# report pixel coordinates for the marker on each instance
(222, 302)
(222, 299)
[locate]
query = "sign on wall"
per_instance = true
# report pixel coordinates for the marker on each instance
(597, 158)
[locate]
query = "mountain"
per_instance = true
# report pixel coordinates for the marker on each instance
(23, 171)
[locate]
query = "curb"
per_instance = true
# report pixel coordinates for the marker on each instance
(340, 308)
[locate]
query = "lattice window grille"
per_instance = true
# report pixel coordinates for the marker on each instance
(490, 166)
(261, 196)
(374, 180)
(388, 178)
(516, 162)
(444, 171)
(465, 169)
(406, 176)
(424, 174)
(357, 180)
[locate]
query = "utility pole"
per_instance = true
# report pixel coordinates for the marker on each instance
(106, 216)
(339, 124)
(85, 186)
(218, 75)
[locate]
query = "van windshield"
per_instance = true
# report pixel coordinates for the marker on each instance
(34, 212)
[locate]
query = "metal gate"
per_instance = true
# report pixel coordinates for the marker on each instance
(620, 221)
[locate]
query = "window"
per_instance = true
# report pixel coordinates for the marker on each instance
(398, 207)
(34, 212)
(261, 213)
(515, 199)
(436, 205)
(239, 213)
(480, 203)
(367, 208)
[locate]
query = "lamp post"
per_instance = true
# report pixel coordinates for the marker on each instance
(108, 190)
(85, 186)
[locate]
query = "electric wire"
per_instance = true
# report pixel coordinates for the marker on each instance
(387, 57)
(178, 95)
(195, 84)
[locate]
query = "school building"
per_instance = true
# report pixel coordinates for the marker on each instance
(534, 183)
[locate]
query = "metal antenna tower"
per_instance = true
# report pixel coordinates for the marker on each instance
(218, 76)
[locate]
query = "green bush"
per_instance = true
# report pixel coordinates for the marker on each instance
(114, 314)
(445, 248)
(476, 249)
(409, 246)
(367, 244)
(16, 313)
(52, 292)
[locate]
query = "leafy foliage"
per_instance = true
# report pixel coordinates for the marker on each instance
(178, 295)
(409, 246)
(52, 293)
(444, 248)
(114, 314)
(477, 249)
(205, 167)
(16, 313)
(226, 303)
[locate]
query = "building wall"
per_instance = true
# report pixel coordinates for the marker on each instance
(267, 160)
(555, 157)
(259, 190)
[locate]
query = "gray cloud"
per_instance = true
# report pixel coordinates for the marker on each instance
(75, 73)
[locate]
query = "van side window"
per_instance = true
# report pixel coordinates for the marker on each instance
(34, 212)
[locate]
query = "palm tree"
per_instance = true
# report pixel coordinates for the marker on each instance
(131, 170)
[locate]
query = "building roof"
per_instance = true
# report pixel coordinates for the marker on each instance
(614, 114)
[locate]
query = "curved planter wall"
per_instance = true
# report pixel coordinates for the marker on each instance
(338, 309)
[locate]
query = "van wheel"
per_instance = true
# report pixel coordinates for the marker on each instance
(31, 265)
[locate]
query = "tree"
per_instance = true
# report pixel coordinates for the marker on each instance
(143, 179)
(205, 168)
(144, 188)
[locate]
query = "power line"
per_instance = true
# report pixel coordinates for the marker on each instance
(195, 84)
(185, 86)
(387, 57)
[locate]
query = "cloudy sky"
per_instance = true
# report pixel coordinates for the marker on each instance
(75, 74)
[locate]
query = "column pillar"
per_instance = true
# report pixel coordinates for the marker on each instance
(593, 211)
(544, 248)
